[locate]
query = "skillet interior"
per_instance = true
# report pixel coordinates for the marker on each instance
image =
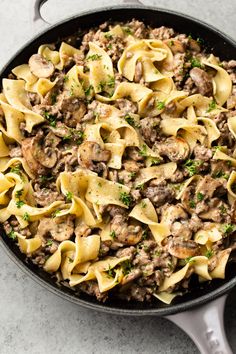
(214, 41)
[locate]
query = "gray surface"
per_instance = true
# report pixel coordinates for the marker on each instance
(34, 321)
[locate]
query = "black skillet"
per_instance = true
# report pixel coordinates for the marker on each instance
(199, 313)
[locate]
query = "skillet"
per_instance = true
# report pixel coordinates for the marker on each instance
(200, 312)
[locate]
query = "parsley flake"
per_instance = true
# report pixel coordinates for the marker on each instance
(19, 203)
(212, 106)
(125, 198)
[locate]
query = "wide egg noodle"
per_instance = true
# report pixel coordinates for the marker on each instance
(101, 74)
(14, 91)
(222, 81)
(145, 213)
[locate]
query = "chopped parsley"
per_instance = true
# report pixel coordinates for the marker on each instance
(200, 196)
(223, 209)
(130, 120)
(16, 169)
(43, 179)
(79, 135)
(94, 57)
(126, 267)
(54, 97)
(145, 234)
(66, 78)
(109, 46)
(140, 186)
(133, 174)
(12, 235)
(188, 260)
(160, 105)
(110, 272)
(143, 204)
(219, 174)
(127, 30)
(228, 228)
(195, 63)
(101, 86)
(171, 43)
(211, 106)
(155, 161)
(19, 193)
(192, 167)
(87, 91)
(49, 243)
(19, 203)
(50, 118)
(143, 151)
(69, 196)
(113, 234)
(108, 35)
(192, 204)
(125, 198)
(111, 82)
(55, 213)
(26, 216)
(209, 253)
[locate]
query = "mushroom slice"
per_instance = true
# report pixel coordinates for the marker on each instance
(176, 46)
(46, 155)
(183, 249)
(176, 149)
(27, 151)
(60, 228)
(40, 66)
(172, 213)
(91, 151)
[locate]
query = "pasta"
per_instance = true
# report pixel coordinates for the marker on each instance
(117, 162)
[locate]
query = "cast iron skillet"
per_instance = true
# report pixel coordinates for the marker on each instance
(205, 323)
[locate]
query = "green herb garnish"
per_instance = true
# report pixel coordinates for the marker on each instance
(127, 30)
(50, 118)
(130, 120)
(49, 243)
(200, 196)
(192, 204)
(143, 151)
(26, 216)
(19, 203)
(69, 196)
(228, 228)
(160, 105)
(12, 235)
(113, 234)
(126, 267)
(211, 106)
(88, 90)
(55, 213)
(143, 204)
(125, 198)
(16, 169)
(195, 63)
(110, 272)
(108, 35)
(209, 253)
(192, 166)
(94, 57)
(19, 193)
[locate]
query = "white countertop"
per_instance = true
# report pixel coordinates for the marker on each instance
(34, 321)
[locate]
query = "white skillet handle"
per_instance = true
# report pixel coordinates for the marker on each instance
(205, 325)
(38, 18)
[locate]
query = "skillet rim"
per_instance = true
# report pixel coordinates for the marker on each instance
(170, 309)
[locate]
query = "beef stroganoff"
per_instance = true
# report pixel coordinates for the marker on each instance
(117, 161)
